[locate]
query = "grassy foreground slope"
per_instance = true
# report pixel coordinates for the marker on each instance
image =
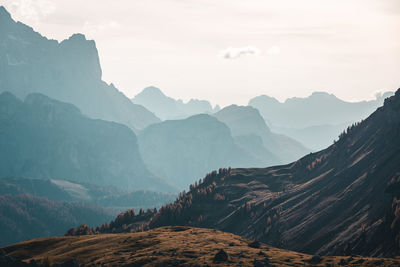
(173, 246)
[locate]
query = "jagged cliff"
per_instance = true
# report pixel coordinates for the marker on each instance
(68, 71)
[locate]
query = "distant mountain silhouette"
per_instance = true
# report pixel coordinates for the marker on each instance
(168, 108)
(343, 200)
(246, 122)
(316, 120)
(45, 138)
(68, 71)
(181, 151)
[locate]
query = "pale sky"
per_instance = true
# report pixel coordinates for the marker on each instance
(228, 51)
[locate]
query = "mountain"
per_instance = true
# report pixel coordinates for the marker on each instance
(168, 108)
(343, 200)
(169, 246)
(68, 71)
(316, 120)
(247, 121)
(26, 217)
(196, 106)
(45, 138)
(182, 151)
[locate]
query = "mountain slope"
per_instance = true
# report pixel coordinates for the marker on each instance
(181, 151)
(171, 246)
(245, 121)
(341, 200)
(68, 71)
(25, 217)
(66, 191)
(45, 138)
(315, 120)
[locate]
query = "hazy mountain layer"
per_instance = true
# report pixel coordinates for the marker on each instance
(168, 108)
(62, 190)
(182, 151)
(246, 122)
(45, 138)
(341, 200)
(315, 120)
(68, 71)
(26, 217)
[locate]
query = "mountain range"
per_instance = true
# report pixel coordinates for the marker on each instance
(168, 108)
(316, 120)
(246, 124)
(68, 71)
(44, 138)
(181, 151)
(76, 151)
(342, 200)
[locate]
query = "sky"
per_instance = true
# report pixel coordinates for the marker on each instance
(229, 51)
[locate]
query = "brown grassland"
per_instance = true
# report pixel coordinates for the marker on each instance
(174, 246)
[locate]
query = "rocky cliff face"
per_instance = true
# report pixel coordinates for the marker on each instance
(45, 138)
(68, 71)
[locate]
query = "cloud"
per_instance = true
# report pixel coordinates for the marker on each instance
(236, 52)
(91, 28)
(274, 50)
(31, 11)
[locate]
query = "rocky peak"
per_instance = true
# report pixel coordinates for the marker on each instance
(83, 54)
(152, 91)
(5, 19)
(4, 13)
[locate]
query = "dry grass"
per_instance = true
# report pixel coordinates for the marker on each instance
(170, 246)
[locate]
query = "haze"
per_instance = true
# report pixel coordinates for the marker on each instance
(230, 51)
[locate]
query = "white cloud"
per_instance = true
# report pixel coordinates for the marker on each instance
(90, 28)
(31, 11)
(236, 52)
(274, 50)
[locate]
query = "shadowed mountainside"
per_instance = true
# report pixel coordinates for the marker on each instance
(68, 71)
(245, 122)
(25, 217)
(45, 138)
(172, 246)
(181, 151)
(341, 200)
